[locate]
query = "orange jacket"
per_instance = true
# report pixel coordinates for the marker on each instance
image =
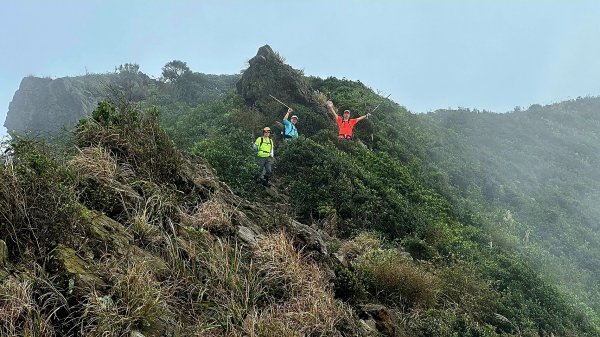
(346, 127)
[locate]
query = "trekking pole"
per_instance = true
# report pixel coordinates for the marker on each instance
(285, 105)
(381, 103)
(377, 107)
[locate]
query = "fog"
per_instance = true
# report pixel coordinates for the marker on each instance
(428, 55)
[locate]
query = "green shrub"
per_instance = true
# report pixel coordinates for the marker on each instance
(38, 203)
(396, 280)
(347, 286)
(233, 159)
(437, 322)
(417, 248)
(464, 287)
(134, 137)
(367, 190)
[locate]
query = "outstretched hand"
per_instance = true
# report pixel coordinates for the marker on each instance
(290, 110)
(329, 104)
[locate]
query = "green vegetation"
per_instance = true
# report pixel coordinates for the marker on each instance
(385, 183)
(534, 173)
(44, 107)
(170, 265)
(155, 224)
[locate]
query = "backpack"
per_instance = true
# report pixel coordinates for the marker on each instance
(261, 143)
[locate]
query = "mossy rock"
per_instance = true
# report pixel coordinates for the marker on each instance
(269, 75)
(197, 173)
(106, 235)
(110, 197)
(77, 273)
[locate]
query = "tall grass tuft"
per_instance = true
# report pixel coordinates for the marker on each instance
(306, 306)
(21, 314)
(396, 280)
(136, 300)
(38, 203)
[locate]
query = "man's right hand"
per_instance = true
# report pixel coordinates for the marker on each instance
(329, 103)
(290, 110)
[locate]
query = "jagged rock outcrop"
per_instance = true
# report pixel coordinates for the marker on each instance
(269, 75)
(43, 106)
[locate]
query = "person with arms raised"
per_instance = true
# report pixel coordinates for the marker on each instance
(290, 131)
(345, 123)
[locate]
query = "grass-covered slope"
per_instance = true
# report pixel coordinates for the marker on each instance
(160, 229)
(435, 267)
(130, 236)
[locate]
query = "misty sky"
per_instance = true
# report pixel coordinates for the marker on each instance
(490, 55)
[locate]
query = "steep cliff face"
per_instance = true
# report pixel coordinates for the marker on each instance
(43, 106)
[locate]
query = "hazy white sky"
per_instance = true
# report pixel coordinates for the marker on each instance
(490, 55)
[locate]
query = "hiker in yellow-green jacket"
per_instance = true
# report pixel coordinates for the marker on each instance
(264, 146)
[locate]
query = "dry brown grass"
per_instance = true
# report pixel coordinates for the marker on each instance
(95, 163)
(143, 229)
(235, 287)
(308, 307)
(20, 315)
(215, 214)
(136, 300)
(359, 245)
(222, 286)
(319, 97)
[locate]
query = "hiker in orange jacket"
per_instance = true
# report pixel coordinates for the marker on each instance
(346, 124)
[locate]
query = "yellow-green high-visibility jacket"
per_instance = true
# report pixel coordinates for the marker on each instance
(264, 146)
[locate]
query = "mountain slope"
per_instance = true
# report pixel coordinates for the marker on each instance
(361, 238)
(540, 167)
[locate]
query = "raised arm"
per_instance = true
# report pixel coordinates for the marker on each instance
(363, 117)
(331, 109)
(287, 115)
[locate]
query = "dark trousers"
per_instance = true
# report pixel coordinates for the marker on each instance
(265, 167)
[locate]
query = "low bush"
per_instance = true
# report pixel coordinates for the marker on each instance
(38, 202)
(396, 280)
(133, 136)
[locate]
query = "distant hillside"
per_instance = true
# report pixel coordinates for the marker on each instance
(149, 221)
(44, 106)
(539, 169)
